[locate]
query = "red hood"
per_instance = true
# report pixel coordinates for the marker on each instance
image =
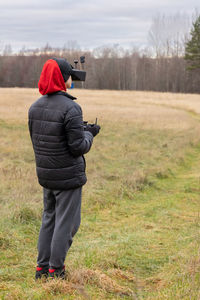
(51, 79)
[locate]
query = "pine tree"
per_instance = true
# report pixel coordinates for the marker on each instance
(192, 49)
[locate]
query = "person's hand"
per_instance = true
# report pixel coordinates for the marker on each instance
(93, 128)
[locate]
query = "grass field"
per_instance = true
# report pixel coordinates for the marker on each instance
(139, 236)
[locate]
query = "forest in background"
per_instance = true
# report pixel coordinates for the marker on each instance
(159, 67)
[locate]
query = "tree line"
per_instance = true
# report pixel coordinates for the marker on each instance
(174, 66)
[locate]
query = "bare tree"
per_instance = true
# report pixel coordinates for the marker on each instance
(106, 67)
(7, 50)
(168, 34)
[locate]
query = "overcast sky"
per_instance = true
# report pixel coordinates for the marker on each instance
(92, 23)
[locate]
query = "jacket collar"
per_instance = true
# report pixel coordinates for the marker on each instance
(66, 95)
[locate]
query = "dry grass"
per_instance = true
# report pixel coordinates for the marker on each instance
(78, 279)
(139, 233)
(111, 106)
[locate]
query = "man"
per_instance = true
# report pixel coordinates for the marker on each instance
(59, 141)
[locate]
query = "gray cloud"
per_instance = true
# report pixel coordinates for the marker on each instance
(90, 22)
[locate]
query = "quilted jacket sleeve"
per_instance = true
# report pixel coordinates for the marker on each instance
(78, 140)
(30, 123)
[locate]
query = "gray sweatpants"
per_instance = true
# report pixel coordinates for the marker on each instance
(60, 222)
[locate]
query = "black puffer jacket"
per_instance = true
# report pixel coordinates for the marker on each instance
(59, 141)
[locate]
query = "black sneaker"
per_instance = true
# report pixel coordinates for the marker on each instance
(41, 272)
(57, 273)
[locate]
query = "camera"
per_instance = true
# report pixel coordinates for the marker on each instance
(77, 74)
